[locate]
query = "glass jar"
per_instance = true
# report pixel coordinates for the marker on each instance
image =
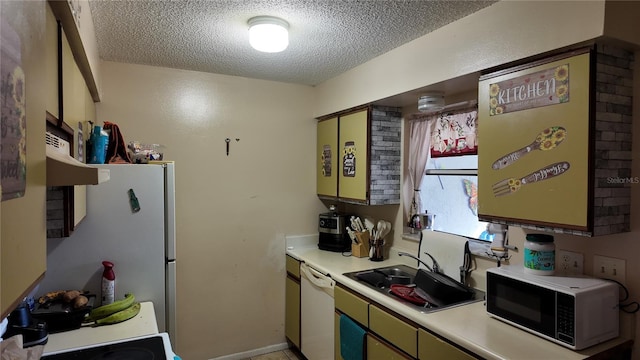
(539, 254)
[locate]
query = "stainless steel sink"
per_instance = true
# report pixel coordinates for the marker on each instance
(381, 279)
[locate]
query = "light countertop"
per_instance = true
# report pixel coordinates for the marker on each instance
(469, 326)
(142, 324)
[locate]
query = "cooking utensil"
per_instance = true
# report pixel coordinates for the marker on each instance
(369, 224)
(387, 229)
(511, 185)
(352, 235)
(381, 229)
(442, 287)
(407, 293)
(547, 139)
(360, 225)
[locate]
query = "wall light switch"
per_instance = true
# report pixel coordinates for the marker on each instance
(609, 268)
(569, 263)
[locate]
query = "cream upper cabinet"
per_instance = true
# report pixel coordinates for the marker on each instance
(22, 221)
(353, 142)
(327, 150)
(358, 156)
(549, 159)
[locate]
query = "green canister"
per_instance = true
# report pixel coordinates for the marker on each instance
(539, 254)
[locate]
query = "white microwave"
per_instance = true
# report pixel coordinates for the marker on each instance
(575, 312)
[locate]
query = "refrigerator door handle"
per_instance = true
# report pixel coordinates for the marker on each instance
(170, 309)
(170, 215)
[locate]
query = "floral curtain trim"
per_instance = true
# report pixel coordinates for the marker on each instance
(455, 134)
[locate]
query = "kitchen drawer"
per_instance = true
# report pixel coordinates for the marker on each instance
(293, 267)
(397, 332)
(352, 305)
(379, 350)
(432, 347)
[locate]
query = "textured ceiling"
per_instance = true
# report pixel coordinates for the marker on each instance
(326, 37)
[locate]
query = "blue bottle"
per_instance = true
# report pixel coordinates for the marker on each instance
(98, 143)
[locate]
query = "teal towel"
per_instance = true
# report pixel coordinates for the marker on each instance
(351, 339)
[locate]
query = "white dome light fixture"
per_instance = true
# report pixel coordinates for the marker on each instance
(268, 34)
(431, 102)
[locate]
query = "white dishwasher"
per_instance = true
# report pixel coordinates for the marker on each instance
(316, 314)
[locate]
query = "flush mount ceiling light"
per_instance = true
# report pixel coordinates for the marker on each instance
(268, 34)
(431, 102)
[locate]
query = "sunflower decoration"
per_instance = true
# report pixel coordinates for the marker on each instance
(514, 184)
(550, 137)
(18, 88)
(562, 91)
(560, 134)
(547, 145)
(494, 90)
(562, 73)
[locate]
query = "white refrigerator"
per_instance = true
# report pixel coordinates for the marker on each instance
(141, 244)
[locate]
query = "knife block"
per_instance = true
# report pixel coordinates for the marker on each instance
(361, 249)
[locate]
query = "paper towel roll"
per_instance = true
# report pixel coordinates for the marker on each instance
(447, 249)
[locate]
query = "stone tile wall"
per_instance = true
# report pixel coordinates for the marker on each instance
(386, 161)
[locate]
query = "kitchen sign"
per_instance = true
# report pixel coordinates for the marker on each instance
(349, 159)
(541, 88)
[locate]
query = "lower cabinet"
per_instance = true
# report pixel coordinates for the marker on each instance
(390, 336)
(292, 302)
(432, 347)
(378, 349)
(396, 331)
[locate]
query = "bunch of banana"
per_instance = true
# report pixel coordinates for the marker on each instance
(120, 316)
(116, 312)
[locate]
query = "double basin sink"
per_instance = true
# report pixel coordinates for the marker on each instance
(402, 279)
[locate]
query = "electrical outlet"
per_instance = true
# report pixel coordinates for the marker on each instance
(569, 263)
(609, 268)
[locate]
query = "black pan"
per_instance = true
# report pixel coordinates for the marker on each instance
(443, 287)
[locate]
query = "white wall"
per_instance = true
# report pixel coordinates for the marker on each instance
(232, 211)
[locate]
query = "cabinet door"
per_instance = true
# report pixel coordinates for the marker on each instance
(432, 347)
(292, 313)
(327, 158)
(394, 330)
(353, 180)
(534, 164)
(380, 350)
(352, 305)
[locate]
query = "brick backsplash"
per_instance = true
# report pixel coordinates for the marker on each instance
(613, 140)
(385, 161)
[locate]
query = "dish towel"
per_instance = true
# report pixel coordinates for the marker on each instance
(351, 339)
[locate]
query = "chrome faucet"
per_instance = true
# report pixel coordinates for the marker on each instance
(436, 266)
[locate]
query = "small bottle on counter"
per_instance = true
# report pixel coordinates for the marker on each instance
(539, 254)
(108, 283)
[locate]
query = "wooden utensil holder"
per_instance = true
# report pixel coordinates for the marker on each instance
(361, 249)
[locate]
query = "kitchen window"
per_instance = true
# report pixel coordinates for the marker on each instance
(449, 191)
(444, 144)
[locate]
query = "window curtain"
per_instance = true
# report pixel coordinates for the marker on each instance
(419, 149)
